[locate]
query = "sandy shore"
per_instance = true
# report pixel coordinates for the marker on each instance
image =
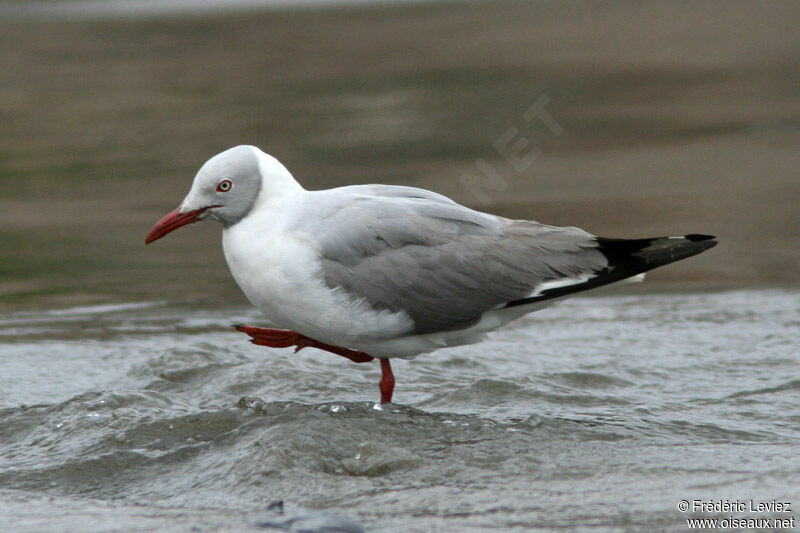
(653, 118)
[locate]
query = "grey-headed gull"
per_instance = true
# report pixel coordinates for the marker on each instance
(380, 271)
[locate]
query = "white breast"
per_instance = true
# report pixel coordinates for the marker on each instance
(281, 275)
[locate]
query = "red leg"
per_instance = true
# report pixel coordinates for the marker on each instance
(284, 338)
(387, 381)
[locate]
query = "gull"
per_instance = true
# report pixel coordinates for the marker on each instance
(382, 271)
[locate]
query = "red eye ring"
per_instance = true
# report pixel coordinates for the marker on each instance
(224, 185)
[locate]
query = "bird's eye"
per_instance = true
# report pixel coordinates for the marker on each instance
(224, 185)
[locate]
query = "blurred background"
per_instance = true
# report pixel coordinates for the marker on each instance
(653, 119)
(129, 404)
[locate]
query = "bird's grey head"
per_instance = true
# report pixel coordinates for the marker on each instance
(227, 185)
(227, 188)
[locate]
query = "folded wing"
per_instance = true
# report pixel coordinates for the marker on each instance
(410, 250)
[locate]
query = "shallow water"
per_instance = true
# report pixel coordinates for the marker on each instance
(104, 123)
(599, 414)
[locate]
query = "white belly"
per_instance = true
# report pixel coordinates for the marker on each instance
(281, 276)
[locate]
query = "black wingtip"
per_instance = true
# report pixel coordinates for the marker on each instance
(696, 237)
(629, 257)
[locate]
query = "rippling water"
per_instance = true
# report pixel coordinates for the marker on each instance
(599, 413)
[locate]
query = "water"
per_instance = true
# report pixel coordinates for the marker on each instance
(103, 124)
(81, 9)
(600, 414)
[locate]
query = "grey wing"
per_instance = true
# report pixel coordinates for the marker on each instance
(406, 249)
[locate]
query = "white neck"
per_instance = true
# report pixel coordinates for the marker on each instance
(276, 180)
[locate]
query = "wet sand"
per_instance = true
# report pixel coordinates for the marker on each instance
(663, 119)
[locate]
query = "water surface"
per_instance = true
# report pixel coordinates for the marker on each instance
(127, 401)
(599, 413)
(103, 124)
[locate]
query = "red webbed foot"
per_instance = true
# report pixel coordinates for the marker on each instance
(284, 338)
(274, 338)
